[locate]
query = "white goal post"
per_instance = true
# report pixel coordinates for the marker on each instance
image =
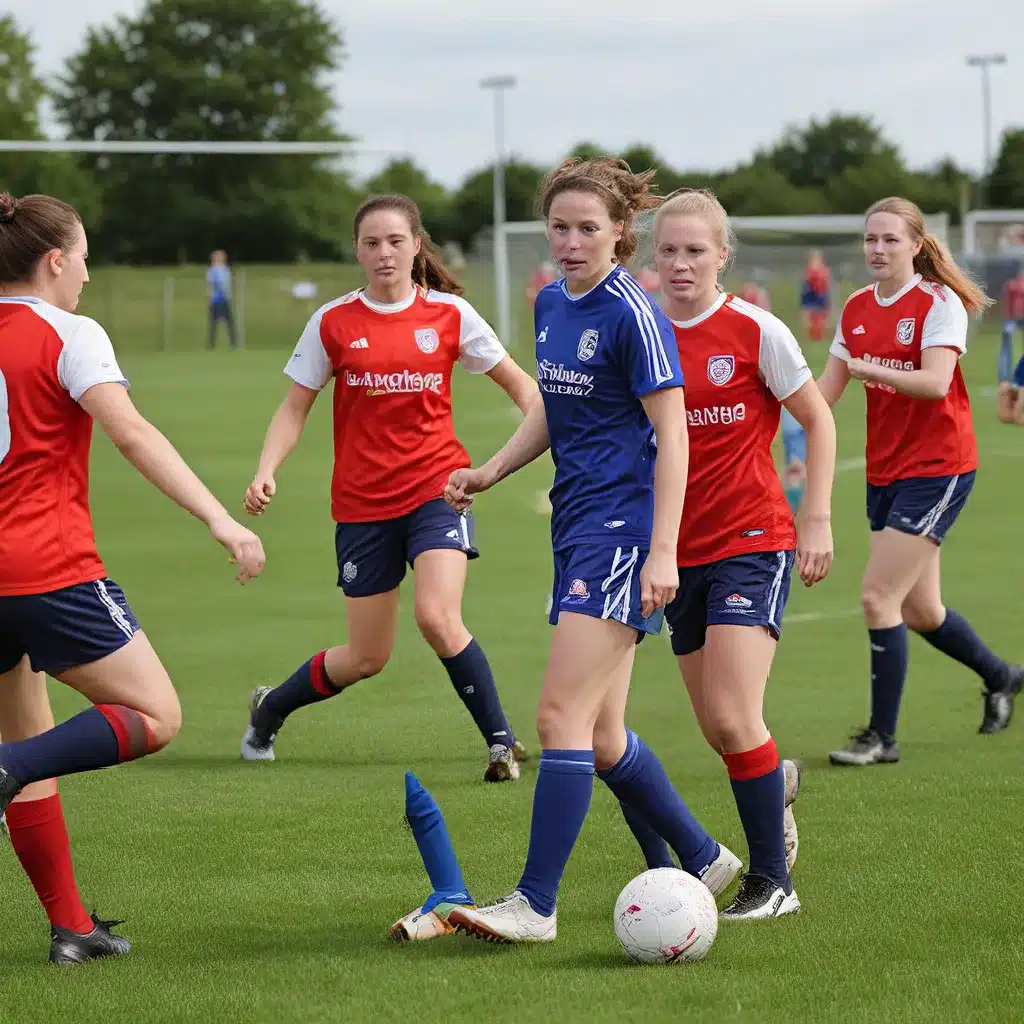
(974, 245)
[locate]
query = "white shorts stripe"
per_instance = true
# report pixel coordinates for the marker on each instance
(116, 612)
(931, 518)
(464, 523)
(776, 588)
(616, 602)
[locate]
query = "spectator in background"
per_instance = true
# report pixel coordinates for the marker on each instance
(218, 282)
(753, 293)
(1011, 381)
(543, 275)
(816, 297)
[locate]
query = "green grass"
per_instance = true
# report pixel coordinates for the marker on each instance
(264, 892)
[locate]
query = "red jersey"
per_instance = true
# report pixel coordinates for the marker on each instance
(739, 363)
(394, 440)
(818, 280)
(48, 360)
(755, 295)
(1013, 299)
(910, 437)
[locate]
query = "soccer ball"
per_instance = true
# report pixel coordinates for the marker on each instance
(666, 916)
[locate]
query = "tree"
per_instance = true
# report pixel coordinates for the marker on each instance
(209, 70)
(759, 190)
(1006, 183)
(21, 93)
(473, 204)
(402, 176)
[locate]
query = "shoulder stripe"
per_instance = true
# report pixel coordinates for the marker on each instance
(658, 366)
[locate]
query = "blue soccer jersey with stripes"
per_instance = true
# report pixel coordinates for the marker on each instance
(598, 354)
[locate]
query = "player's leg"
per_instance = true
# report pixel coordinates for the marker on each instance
(1018, 383)
(794, 474)
(652, 807)
(371, 565)
(1004, 364)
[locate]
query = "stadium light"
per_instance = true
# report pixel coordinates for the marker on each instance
(985, 61)
(499, 83)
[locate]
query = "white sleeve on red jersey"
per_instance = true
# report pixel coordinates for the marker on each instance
(945, 326)
(310, 365)
(838, 347)
(87, 359)
(781, 360)
(479, 348)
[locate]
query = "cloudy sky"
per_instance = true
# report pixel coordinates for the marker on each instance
(705, 84)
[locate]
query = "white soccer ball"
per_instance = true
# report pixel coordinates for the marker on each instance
(666, 916)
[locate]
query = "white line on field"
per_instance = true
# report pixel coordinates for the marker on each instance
(844, 613)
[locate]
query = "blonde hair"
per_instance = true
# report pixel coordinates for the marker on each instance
(623, 192)
(933, 262)
(700, 202)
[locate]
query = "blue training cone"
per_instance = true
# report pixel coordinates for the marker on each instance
(435, 846)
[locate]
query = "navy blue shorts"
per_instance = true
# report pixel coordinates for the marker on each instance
(603, 581)
(372, 556)
(922, 506)
(1018, 374)
(64, 628)
(745, 590)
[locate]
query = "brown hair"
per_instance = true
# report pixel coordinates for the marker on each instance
(427, 269)
(933, 262)
(623, 192)
(29, 228)
(700, 202)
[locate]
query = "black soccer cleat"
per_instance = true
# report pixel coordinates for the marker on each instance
(760, 898)
(258, 741)
(867, 747)
(71, 948)
(9, 787)
(999, 703)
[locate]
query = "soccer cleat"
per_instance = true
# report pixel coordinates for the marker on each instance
(760, 898)
(9, 787)
(867, 747)
(501, 765)
(258, 741)
(71, 948)
(999, 703)
(511, 919)
(792, 773)
(519, 752)
(3, 825)
(719, 874)
(418, 927)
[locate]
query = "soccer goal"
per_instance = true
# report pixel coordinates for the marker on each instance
(771, 251)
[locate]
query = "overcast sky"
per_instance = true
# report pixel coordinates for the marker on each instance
(705, 85)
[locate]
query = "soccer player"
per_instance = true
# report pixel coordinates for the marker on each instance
(903, 337)
(58, 373)
(815, 296)
(391, 348)
(218, 284)
(737, 543)
(1011, 381)
(753, 293)
(609, 375)
(542, 276)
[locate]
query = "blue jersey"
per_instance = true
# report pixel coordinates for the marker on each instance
(597, 356)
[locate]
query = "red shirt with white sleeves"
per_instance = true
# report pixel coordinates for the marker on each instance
(48, 360)
(394, 440)
(739, 363)
(910, 437)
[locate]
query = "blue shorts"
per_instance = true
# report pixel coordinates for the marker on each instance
(1018, 374)
(372, 556)
(922, 506)
(64, 628)
(603, 581)
(745, 590)
(794, 439)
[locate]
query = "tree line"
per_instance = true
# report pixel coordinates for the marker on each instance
(206, 70)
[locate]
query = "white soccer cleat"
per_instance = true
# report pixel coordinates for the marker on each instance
(258, 741)
(502, 765)
(3, 825)
(792, 772)
(721, 872)
(511, 919)
(419, 927)
(758, 899)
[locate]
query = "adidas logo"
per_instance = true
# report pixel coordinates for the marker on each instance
(859, 329)
(359, 343)
(452, 534)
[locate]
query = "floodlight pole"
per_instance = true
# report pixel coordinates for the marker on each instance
(985, 61)
(499, 83)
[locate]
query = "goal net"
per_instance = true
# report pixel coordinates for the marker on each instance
(993, 245)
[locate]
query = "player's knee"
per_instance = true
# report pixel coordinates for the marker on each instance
(876, 601)
(609, 745)
(554, 723)
(368, 664)
(923, 618)
(728, 731)
(164, 723)
(441, 627)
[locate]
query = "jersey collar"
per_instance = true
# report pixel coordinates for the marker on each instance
(710, 311)
(607, 277)
(31, 299)
(389, 307)
(908, 287)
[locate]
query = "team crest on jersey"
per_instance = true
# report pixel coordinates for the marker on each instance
(587, 346)
(721, 369)
(427, 340)
(905, 330)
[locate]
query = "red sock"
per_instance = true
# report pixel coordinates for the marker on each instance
(40, 839)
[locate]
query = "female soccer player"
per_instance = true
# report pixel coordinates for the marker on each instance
(58, 373)
(736, 544)
(391, 348)
(609, 375)
(903, 337)
(815, 296)
(1010, 400)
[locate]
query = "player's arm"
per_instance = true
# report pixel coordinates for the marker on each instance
(516, 383)
(158, 461)
(836, 375)
(931, 382)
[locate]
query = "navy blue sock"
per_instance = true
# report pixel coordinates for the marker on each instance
(81, 744)
(308, 684)
(759, 786)
(888, 674)
(561, 800)
(638, 779)
(473, 680)
(652, 846)
(957, 639)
